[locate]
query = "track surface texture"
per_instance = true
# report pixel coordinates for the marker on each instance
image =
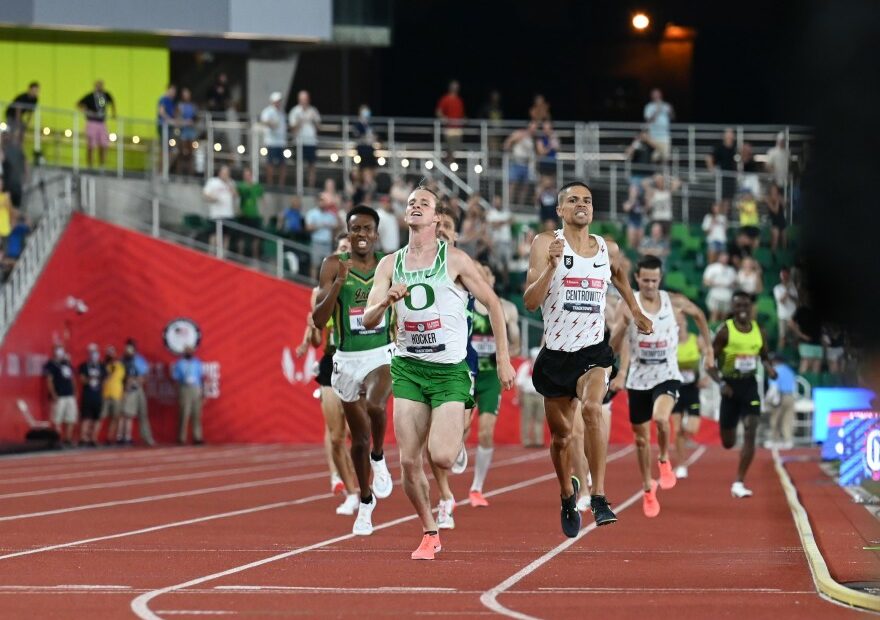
(251, 532)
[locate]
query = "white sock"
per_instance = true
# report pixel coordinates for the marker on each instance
(484, 459)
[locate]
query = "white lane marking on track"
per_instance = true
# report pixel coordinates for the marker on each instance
(317, 590)
(490, 597)
(66, 587)
(141, 604)
(638, 590)
(198, 612)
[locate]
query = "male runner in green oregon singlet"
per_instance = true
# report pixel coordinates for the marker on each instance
(362, 358)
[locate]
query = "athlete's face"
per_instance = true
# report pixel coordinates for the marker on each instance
(362, 234)
(649, 282)
(421, 209)
(446, 229)
(742, 308)
(576, 206)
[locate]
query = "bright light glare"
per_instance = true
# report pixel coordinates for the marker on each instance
(135, 139)
(240, 149)
(429, 164)
(217, 146)
(478, 169)
(453, 166)
(404, 162)
(68, 133)
(264, 151)
(640, 21)
(334, 157)
(287, 153)
(381, 161)
(113, 137)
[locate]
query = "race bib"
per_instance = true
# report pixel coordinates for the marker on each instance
(424, 336)
(653, 352)
(688, 376)
(356, 322)
(582, 294)
(745, 363)
(483, 344)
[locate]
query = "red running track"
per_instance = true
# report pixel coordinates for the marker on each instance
(251, 532)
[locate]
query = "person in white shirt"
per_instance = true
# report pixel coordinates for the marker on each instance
(304, 119)
(786, 297)
(658, 115)
(748, 278)
(777, 161)
(221, 195)
(658, 199)
(715, 227)
(275, 137)
(719, 278)
(531, 404)
(389, 227)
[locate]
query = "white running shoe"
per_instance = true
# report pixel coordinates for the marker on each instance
(769, 444)
(363, 525)
(461, 461)
(739, 490)
(349, 506)
(583, 503)
(445, 521)
(337, 487)
(681, 472)
(382, 482)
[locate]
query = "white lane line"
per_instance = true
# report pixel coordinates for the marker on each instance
(141, 604)
(198, 612)
(490, 597)
(659, 591)
(318, 590)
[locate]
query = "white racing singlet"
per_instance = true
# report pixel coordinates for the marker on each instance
(654, 357)
(432, 320)
(574, 309)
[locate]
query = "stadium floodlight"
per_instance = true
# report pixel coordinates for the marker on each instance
(68, 133)
(429, 164)
(264, 151)
(453, 166)
(217, 146)
(478, 169)
(113, 137)
(381, 161)
(240, 149)
(135, 139)
(640, 21)
(404, 162)
(334, 157)
(172, 142)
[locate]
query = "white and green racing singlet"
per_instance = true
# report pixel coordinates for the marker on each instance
(432, 320)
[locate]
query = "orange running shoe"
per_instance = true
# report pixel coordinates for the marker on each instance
(429, 546)
(650, 505)
(667, 476)
(477, 499)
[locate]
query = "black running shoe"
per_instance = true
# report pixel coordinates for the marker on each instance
(571, 517)
(602, 511)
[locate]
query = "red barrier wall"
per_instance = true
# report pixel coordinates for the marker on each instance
(133, 286)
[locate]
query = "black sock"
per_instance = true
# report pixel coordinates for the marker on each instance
(368, 499)
(377, 457)
(431, 532)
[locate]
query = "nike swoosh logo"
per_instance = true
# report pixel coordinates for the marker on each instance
(662, 318)
(595, 266)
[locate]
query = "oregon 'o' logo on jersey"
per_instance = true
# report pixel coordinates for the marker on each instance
(420, 296)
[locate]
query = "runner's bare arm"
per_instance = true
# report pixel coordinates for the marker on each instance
(544, 256)
(623, 352)
(620, 279)
(619, 331)
(765, 356)
(682, 304)
(383, 294)
(511, 316)
(333, 274)
(718, 347)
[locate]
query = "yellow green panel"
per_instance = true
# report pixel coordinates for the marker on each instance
(151, 64)
(9, 86)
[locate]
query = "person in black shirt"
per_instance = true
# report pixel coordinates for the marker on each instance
(19, 112)
(60, 383)
(218, 97)
(92, 374)
(807, 328)
(94, 105)
(723, 157)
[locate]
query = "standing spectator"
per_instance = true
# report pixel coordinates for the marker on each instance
(218, 97)
(94, 105)
(19, 112)
(723, 161)
(777, 161)
(776, 210)
(500, 221)
(92, 374)
(60, 383)
(833, 338)
(749, 278)
(365, 136)
(450, 110)
(657, 243)
(304, 119)
(658, 115)
(658, 199)
(547, 147)
(186, 120)
(322, 222)
(540, 110)
(474, 236)
(389, 227)
(807, 328)
(15, 169)
(786, 297)
(275, 137)
(189, 375)
(640, 154)
(547, 199)
(290, 221)
(14, 244)
(250, 194)
(494, 113)
(220, 193)
(719, 277)
(134, 401)
(749, 222)
(521, 144)
(531, 404)
(751, 170)
(715, 227)
(780, 397)
(166, 112)
(114, 388)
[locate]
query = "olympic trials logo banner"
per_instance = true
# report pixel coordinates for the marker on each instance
(181, 333)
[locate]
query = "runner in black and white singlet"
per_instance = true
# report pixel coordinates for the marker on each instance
(569, 274)
(650, 364)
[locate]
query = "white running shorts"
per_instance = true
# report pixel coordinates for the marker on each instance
(350, 368)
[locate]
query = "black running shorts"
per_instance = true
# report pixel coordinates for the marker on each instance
(556, 373)
(688, 399)
(641, 402)
(325, 369)
(744, 402)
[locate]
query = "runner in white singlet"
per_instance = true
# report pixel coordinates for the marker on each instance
(569, 274)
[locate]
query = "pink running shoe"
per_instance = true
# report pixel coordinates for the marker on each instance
(429, 546)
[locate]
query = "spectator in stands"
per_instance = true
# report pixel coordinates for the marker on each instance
(20, 110)
(14, 244)
(366, 138)
(658, 199)
(166, 113)
(304, 119)
(547, 199)
(493, 112)
(450, 110)
(94, 105)
(218, 97)
(658, 115)
(806, 325)
(777, 161)
(15, 168)
(531, 404)
(749, 222)
(7, 215)
(275, 138)
(92, 375)
(749, 278)
(540, 110)
(400, 190)
(251, 195)
(520, 263)
(186, 115)
(780, 398)
(657, 243)
(834, 340)
(715, 227)
(221, 194)
(640, 154)
(776, 210)
(389, 226)
(323, 223)
(114, 388)
(547, 147)
(521, 145)
(500, 221)
(188, 373)
(474, 236)
(723, 161)
(60, 382)
(290, 221)
(751, 169)
(786, 297)
(134, 401)
(719, 277)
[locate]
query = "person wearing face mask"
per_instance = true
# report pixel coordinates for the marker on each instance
(114, 387)
(92, 374)
(60, 383)
(134, 402)
(188, 373)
